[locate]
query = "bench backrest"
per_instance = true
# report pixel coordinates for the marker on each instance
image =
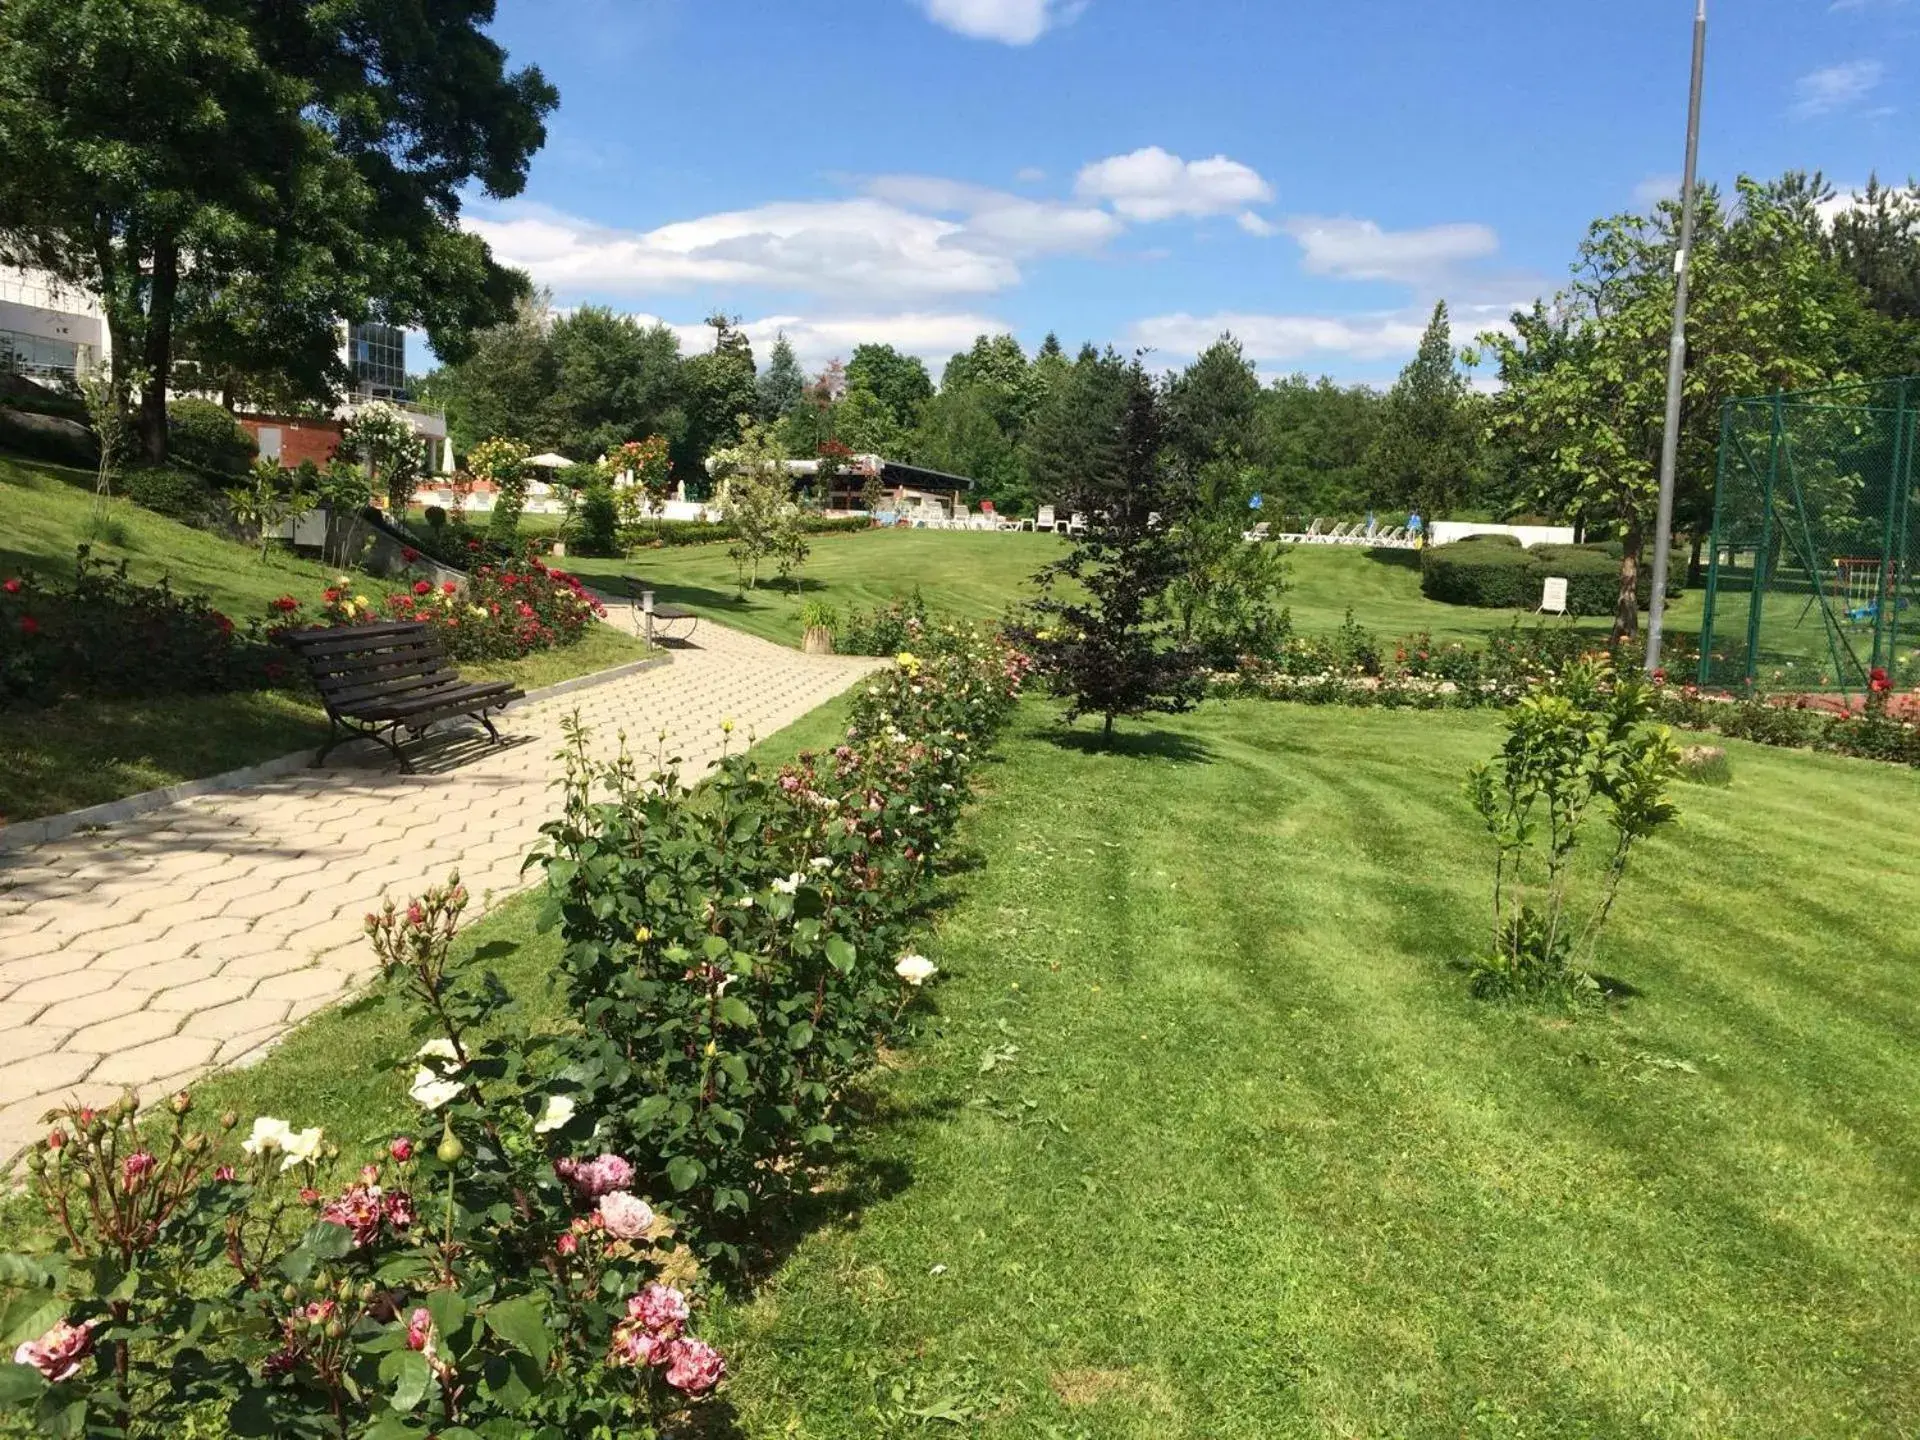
(354, 664)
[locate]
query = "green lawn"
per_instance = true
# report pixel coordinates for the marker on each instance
(1206, 1140)
(982, 574)
(84, 752)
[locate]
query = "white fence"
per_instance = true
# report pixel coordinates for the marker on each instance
(1442, 532)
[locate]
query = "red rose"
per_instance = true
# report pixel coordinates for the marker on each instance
(473, 544)
(222, 623)
(448, 587)
(421, 587)
(286, 604)
(12, 587)
(409, 554)
(29, 625)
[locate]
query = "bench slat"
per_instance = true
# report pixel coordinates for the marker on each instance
(397, 688)
(439, 704)
(333, 639)
(422, 655)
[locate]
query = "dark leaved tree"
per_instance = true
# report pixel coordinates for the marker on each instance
(1102, 634)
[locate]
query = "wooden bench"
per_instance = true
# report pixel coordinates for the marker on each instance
(377, 680)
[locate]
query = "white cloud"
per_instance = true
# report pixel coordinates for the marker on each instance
(1150, 184)
(932, 335)
(1655, 188)
(1361, 250)
(1012, 22)
(1255, 224)
(1835, 87)
(996, 220)
(1284, 341)
(1030, 175)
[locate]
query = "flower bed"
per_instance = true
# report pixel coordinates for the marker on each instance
(734, 958)
(106, 635)
(502, 612)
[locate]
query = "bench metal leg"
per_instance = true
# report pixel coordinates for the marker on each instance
(338, 734)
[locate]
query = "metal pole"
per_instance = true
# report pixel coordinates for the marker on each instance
(1676, 350)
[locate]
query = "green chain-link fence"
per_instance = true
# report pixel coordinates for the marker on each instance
(1816, 537)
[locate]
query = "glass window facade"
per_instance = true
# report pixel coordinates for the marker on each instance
(378, 355)
(38, 355)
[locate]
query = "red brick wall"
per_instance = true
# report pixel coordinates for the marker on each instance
(300, 440)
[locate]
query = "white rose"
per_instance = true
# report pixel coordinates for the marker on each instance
(558, 1112)
(790, 884)
(431, 1088)
(268, 1134)
(820, 862)
(915, 969)
(301, 1146)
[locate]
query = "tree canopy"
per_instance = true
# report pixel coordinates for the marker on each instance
(245, 176)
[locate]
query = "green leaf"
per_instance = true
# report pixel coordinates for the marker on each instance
(520, 1323)
(684, 1172)
(20, 1384)
(449, 1310)
(840, 954)
(735, 1012)
(28, 1317)
(800, 1034)
(410, 1374)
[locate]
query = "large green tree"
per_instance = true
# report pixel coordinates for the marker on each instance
(1585, 382)
(1426, 449)
(614, 380)
(1071, 443)
(1312, 439)
(504, 384)
(782, 384)
(162, 152)
(718, 394)
(900, 382)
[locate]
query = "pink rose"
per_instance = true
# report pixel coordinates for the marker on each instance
(594, 1178)
(568, 1244)
(632, 1345)
(398, 1208)
(420, 1328)
(401, 1149)
(58, 1353)
(627, 1217)
(694, 1366)
(135, 1168)
(661, 1308)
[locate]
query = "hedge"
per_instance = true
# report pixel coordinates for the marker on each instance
(702, 532)
(1484, 572)
(205, 436)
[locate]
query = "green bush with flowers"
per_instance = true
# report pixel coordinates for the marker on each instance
(103, 634)
(500, 1280)
(734, 957)
(502, 611)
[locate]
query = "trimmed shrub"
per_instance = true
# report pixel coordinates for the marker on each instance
(1494, 572)
(206, 436)
(169, 491)
(598, 521)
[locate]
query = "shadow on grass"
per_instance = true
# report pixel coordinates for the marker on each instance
(1395, 559)
(1136, 745)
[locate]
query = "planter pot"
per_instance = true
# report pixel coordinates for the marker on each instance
(818, 640)
(560, 548)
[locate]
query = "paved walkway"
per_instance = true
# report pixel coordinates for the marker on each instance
(195, 936)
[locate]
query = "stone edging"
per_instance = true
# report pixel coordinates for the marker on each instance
(113, 812)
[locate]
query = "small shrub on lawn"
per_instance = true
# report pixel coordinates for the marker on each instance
(884, 630)
(1705, 765)
(204, 435)
(1578, 741)
(103, 634)
(733, 955)
(502, 612)
(168, 490)
(502, 1279)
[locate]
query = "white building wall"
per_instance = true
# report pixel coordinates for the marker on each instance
(33, 303)
(1441, 532)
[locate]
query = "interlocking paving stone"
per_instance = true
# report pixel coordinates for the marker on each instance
(141, 954)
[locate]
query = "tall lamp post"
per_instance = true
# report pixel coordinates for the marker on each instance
(1676, 352)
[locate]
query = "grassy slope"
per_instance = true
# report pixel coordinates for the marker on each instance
(1256, 1167)
(85, 752)
(983, 574)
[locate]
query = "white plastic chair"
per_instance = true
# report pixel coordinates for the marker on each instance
(1259, 532)
(1077, 525)
(1045, 521)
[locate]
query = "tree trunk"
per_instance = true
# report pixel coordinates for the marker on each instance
(159, 351)
(1693, 563)
(1626, 610)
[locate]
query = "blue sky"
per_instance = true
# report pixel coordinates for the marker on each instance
(1140, 172)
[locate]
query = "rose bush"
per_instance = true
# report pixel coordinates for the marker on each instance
(731, 955)
(475, 1286)
(502, 612)
(104, 634)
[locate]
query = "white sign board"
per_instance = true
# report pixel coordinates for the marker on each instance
(1553, 595)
